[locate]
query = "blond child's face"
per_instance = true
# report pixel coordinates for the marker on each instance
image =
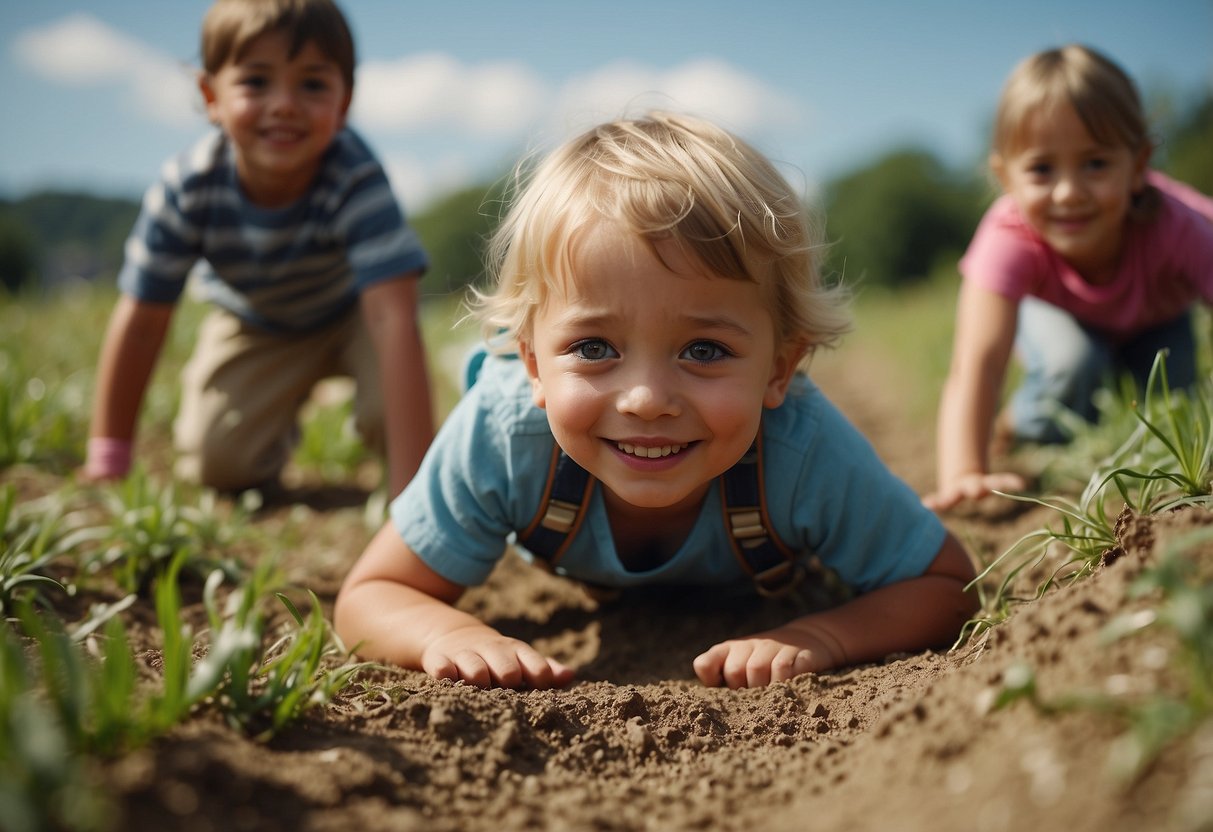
(281, 114)
(1075, 192)
(654, 375)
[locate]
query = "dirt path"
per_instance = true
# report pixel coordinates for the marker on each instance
(909, 744)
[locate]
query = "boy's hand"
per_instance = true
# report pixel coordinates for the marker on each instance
(774, 656)
(481, 656)
(972, 487)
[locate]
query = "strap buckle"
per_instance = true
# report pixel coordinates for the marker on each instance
(780, 580)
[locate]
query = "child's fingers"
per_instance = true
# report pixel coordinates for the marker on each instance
(709, 665)
(973, 488)
(540, 672)
(472, 668)
(751, 663)
(790, 662)
(510, 664)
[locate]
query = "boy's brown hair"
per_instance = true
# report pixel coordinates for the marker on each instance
(231, 25)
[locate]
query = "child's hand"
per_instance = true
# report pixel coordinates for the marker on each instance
(774, 656)
(972, 487)
(481, 656)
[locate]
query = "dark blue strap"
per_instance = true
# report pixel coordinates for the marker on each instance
(760, 552)
(565, 498)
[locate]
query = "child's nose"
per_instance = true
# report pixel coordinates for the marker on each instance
(1069, 188)
(283, 99)
(647, 396)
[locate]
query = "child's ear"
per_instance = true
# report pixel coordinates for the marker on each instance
(787, 360)
(532, 371)
(998, 166)
(208, 97)
(1141, 162)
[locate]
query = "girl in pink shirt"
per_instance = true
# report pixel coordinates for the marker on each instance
(1087, 265)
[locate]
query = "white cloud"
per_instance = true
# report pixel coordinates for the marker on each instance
(473, 113)
(417, 182)
(707, 87)
(81, 51)
(491, 105)
(434, 91)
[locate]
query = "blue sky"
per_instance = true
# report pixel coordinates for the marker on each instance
(97, 94)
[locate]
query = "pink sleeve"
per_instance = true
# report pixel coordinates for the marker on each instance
(1004, 256)
(1187, 236)
(1186, 194)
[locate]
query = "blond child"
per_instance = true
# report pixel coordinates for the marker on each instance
(657, 279)
(1087, 265)
(304, 251)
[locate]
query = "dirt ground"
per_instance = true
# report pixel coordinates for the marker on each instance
(637, 744)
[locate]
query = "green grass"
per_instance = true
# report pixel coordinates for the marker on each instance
(69, 694)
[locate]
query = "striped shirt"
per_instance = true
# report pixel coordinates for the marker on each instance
(286, 269)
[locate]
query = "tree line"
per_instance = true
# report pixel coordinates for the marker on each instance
(901, 218)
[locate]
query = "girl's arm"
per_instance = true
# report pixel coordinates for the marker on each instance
(129, 353)
(985, 333)
(914, 614)
(390, 310)
(394, 608)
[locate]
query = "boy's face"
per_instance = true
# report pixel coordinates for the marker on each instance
(1073, 191)
(654, 375)
(281, 114)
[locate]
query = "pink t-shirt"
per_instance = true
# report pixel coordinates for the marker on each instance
(1166, 264)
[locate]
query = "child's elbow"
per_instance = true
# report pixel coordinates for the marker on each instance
(953, 563)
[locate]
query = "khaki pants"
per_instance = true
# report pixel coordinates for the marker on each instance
(242, 390)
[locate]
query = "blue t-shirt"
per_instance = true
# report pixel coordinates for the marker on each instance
(827, 493)
(290, 269)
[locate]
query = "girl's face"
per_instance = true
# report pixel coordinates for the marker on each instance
(653, 374)
(1075, 192)
(281, 114)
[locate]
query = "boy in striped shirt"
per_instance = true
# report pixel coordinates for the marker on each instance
(289, 223)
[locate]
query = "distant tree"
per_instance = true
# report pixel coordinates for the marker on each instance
(892, 222)
(454, 231)
(66, 218)
(18, 253)
(1187, 152)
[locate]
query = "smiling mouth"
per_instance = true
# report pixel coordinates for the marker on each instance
(655, 452)
(280, 134)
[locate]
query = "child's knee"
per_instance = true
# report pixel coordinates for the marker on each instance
(228, 459)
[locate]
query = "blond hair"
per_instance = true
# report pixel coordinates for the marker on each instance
(231, 25)
(662, 177)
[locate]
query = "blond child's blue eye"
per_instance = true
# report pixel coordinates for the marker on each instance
(593, 349)
(704, 352)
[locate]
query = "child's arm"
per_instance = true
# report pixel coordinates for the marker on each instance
(985, 333)
(390, 309)
(912, 614)
(394, 608)
(132, 345)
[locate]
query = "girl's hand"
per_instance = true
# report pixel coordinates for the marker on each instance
(972, 487)
(481, 656)
(774, 656)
